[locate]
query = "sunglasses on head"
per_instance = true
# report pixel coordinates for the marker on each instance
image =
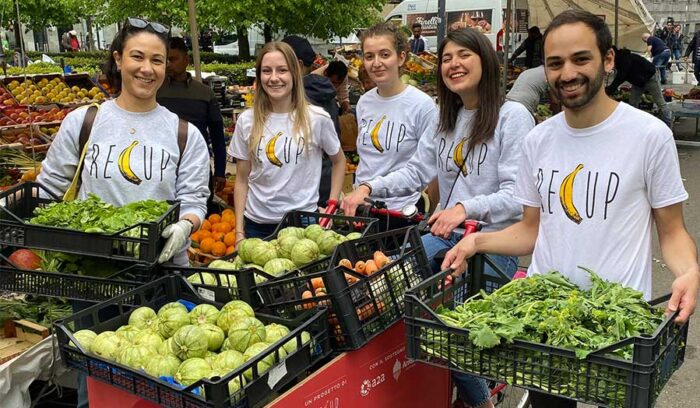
(141, 23)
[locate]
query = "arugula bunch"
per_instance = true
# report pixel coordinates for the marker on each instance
(96, 216)
(549, 309)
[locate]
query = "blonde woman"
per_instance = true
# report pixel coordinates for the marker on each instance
(278, 146)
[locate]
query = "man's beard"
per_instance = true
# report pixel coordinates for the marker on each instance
(584, 99)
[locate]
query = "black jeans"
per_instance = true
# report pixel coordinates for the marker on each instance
(540, 400)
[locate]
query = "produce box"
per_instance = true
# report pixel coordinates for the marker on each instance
(18, 336)
(72, 285)
(598, 378)
(222, 285)
(24, 137)
(142, 242)
(215, 392)
(361, 306)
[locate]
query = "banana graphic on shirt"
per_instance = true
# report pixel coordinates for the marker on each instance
(270, 150)
(374, 135)
(458, 157)
(124, 164)
(566, 196)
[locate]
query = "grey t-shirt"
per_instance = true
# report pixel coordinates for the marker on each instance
(530, 86)
(130, 156)
(485, 185)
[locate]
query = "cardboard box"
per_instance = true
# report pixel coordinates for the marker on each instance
(18, 336)
(377, 375)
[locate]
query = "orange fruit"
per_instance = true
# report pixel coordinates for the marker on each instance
(206, 245)
(206, 225)
(218, 236)
(214, 218)
(228, 217)
(195, 236)
(230, 239)
(225, 227)
(227, 212)
(230, 250)
(215, 227)
(218, 249)
(204, 234)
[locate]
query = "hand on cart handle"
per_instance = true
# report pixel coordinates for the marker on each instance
(456, 258)
(354, 200)
(442, 223)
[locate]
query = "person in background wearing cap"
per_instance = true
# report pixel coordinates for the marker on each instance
(337, 72)
(320, 92)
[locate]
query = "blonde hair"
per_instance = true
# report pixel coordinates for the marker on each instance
(262, 107)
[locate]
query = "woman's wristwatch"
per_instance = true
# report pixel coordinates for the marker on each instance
(369, 187)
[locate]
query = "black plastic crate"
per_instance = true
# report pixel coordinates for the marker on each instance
(73, 286)
(172, 288)
(18, 206)
(229, 284)
(599, 379)
(361, 310)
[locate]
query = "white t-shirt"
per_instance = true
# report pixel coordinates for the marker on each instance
(285, 173)
(397, 123)
(627, 165)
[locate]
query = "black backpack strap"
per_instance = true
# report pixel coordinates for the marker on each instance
(181, 141)
(85, 131)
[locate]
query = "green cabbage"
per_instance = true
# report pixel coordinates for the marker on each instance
(263, 365)
(215, 336)
(84, 338)
(278, 266)
(226, 345)
(128, 332)
(246, 248)
(171, 320)
(353, 235)
(210, 356)
(191, 371)
(202, 278)
(285, 245)
(275, 332)
(291, 231)
(222, 264)
(227, 361)
(263, 252)
(171, 305)
(245, 332)
(189, 341)
(143, 318)
(204, 313)
(163, 366)
(327, 241)
(147, 338)
(291, 345)
(238, 262)
(239, 304)
(313, 231)
(304, 251)
(228, 316)
(166, 347)
(136, 356)
(107, 345)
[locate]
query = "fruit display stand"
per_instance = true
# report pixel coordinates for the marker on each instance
(377, 375)
(216, 390)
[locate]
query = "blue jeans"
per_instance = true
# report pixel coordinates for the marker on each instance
(677, 56)
(473, 390)
(660, 61)
(256, 230)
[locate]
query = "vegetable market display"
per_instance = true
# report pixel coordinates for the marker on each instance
(599, 346)
(192, 350)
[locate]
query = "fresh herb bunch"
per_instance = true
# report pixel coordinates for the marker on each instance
(96, 216)
(549, 309)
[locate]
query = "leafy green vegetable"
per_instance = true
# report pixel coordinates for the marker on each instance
(96, 216)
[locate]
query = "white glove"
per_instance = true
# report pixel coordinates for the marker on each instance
(178, 239)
